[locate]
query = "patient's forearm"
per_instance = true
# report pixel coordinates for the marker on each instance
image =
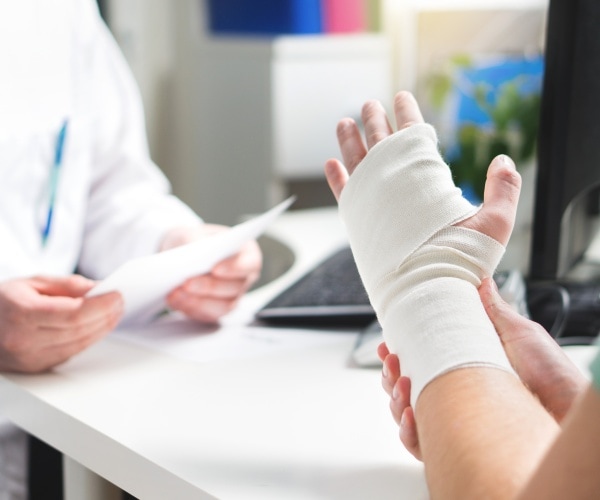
(570, 469)
(481, 434)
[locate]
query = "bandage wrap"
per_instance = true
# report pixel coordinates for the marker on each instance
(420, 271)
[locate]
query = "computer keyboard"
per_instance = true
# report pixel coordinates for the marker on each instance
(331, 293)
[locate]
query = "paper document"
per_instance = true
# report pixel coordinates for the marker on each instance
(145, 282)
(192, 341)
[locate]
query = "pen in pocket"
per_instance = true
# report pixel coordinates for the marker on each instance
(53, 183)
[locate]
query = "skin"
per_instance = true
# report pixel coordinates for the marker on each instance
(44, 321)
(481, 432)
(208, 297)
(538, 360)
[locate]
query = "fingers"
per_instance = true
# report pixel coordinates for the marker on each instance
(390, 373)
(244, 265)
(404, 416)
(351, 144)
(397, 387)
(500, 198)
(78, 329)
(506, 320)
(65, 313)
(400, 398)
(353, 151)
(377, 126)
(208, 298)
(406, 110)
(408, 433)
(382, 351)
(48, 330)
(501, 195)
(336, 175)
(538, 360)
(66, 286)
(40, 357)
(201, 308)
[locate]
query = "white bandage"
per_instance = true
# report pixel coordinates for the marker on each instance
(420, 271)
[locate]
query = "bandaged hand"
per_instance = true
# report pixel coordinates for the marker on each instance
(420, 247)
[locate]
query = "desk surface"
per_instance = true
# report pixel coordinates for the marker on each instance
(299, 424)
(302, 424)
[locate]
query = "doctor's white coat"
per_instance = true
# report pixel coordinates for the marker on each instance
(58, 62)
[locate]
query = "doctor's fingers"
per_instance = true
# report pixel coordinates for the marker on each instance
(406, 110)
(209, 286)
(91, 325)
(203, 309)
(38, 358)
(39, 349)
(247, 263)
(63, 313)
(67, 286)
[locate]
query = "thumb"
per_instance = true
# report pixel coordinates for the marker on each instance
(336, 175)
(506, 320)
(501, 197)
(65, 286)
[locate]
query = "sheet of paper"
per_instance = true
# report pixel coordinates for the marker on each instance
(145, 282)
(185, 339)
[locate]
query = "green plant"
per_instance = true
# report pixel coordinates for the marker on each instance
(511, 129)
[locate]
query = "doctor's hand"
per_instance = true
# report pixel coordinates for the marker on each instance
(44, 321)
(208, 297)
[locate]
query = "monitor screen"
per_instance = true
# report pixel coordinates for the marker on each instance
(568, 175)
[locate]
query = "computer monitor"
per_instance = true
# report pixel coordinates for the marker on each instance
(568, 177)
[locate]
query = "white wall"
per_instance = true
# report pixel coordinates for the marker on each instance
(162, 40)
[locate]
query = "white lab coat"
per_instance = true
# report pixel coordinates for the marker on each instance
(58, 61)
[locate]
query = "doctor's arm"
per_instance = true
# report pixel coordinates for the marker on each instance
(481, 432)
(130, 207)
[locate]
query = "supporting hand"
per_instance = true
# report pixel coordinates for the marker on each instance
(538, 360)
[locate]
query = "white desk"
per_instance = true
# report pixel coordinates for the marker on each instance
(303, 424)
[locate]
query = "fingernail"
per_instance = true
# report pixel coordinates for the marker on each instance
(384, 371)
(194, 287)
(176, 297)
(395, 392)
(506, 161)
(403, 419)
(119, 305)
